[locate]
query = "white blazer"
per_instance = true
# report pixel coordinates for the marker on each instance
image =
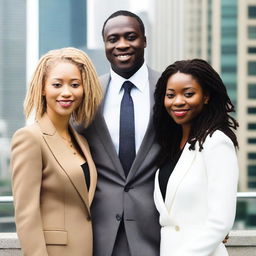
(200, 204)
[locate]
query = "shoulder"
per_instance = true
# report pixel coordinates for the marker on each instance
(218, 138)
(27, 139)
(104, 79)
(153, 73)
(30, 132)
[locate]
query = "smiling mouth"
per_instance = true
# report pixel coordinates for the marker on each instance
(123, 57)
(180, 113)
(65, 103)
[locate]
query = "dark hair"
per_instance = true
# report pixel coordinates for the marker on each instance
(214, 115)
(124, 13)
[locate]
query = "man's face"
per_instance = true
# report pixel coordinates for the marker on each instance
(124, 45)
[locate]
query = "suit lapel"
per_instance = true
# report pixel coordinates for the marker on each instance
(103, 132)
(179, 172)
(149, 136)
(64, 158)
(101, 127)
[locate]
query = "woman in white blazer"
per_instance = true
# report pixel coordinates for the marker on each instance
(196, 184)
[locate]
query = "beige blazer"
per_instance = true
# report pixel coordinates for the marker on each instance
(52, 203)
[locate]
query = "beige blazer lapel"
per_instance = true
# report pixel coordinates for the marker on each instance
(179, 172)
(63, 157)
(93, 173)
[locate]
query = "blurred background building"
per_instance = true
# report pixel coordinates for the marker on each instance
(222, 32)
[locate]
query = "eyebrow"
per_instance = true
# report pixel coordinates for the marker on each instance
(122, 34)
(72, 79)
(184, 89)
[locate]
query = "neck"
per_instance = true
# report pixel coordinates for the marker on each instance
(185, 135)
(61, 125)
(128, 73)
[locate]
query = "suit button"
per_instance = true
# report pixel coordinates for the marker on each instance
(177, 228)
(118, 217)
(126, 189)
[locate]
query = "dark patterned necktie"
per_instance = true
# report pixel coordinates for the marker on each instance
(127, 130)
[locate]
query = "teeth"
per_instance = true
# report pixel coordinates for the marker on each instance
(123, 57)
(65, 103)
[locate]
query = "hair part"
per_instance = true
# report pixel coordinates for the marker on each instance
(124, 13)
(214, 115)
(35, 100)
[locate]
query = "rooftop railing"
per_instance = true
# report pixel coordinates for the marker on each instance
(9, 199)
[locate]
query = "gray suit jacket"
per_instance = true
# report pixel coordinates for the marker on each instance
(117, 195)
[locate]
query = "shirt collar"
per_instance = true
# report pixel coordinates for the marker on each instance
(139, 79)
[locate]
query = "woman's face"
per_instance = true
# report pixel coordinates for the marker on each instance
(184, 98)
(63, 90)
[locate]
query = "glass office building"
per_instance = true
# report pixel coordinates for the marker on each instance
(229, 46)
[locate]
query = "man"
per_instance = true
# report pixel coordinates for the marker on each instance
(124, 216)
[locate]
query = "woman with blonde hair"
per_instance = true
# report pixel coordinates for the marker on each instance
(53, 173)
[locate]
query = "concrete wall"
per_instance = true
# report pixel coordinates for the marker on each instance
(240, 243)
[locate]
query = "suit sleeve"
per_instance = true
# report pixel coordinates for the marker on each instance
(222, 173)
(26, 162)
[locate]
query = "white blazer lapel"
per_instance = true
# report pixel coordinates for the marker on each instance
(178, 174)
(158, 198)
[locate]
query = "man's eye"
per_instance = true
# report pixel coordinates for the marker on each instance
(131, 37)
(56, 85)
(112, 39)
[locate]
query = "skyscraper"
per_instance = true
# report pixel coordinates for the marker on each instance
(246, 66)
(12, 64)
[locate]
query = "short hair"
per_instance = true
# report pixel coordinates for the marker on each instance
(92, 90)
(214, 115)
(124, 13)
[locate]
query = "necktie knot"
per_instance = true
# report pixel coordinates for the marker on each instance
(127, 85)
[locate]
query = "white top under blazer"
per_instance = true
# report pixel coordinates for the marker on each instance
(200, 204)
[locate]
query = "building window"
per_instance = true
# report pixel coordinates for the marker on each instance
(251, 91)
(251, 50)
(252, 156)
(251, 126)
(251, 110)
(251, 140)
(252, 32)
(252, 11)
(251, 170)
(228, 69)
(252, 184)
(228, 49)
(251, 68)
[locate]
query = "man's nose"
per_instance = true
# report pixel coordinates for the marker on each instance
(122, 43)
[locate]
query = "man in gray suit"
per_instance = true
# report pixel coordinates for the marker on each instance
(125, 220)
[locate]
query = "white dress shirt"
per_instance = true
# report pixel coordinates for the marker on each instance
(141, 102)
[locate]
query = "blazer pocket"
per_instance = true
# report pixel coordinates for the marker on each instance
(56, 237)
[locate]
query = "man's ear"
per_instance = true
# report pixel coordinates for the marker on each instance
(145, 41)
